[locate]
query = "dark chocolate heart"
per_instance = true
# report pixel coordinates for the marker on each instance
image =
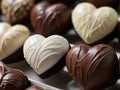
(50, 19)
(94, 68)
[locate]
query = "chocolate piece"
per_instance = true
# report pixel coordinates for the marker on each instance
(94, 68)
(99, 3)
(11, 41)
(33, 87)
(94, 24)
(46, 55)
(2, 71)
(16, 11)
(14, 80)
(49, 19)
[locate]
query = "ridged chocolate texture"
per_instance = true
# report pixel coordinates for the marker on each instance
(14, 80)
(99, 3)
(50, 19)
(94, 68)
(2, 71)
(34, 87)
(16, 11)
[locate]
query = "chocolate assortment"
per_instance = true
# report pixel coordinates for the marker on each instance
(94, 68)
(72, 42)
(50, 19)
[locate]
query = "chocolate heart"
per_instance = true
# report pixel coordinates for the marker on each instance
(93, 24)
(50, 19)
(11, 39)
(93, 68)
(45, 55)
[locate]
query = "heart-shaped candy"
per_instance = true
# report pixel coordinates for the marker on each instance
(11, 38)
(94, 68)
(93, 24)
(50, 19)
(45, 55)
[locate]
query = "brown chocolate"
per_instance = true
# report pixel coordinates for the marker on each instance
(16, 11)
(2, 71)
(69, 3)
(49, 19)
(14, 80)
(94, 68)
(34, 87)
(99, 3)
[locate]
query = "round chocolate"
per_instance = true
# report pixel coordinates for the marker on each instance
(16, 11)
(93, 68)
(14, 80)
(99, 3)
(49, 19)
(2, 71)
(46, 55)
(34, 87)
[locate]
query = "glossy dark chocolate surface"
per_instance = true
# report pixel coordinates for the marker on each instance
(99, 3)
(94, 68)
(14, 80)
(50, 19)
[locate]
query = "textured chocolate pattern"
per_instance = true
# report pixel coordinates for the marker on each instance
(94, 68)
(14, 80)
(50, 19)
(16, 11)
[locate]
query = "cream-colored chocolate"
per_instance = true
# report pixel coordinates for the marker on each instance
(12, 38)
(93, 24)
(43, 53)
(16, 10)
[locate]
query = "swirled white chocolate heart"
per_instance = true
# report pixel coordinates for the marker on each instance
(11, 38)
(43, 53)
(93, 24)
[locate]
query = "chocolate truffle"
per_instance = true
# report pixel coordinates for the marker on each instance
(33, 87)
(12, 39)
(99, 3)
(93, 68)
(2, 71)
(49, 19)
(16, 11)
(14, 80)
(93, 24)
(45, 55)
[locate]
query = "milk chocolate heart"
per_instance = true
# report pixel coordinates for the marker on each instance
(46, 55)
(93, 68)
(11, 39)
(93, 24)
(50, 19)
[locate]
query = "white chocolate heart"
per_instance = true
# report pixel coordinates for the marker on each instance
(12, 38)
(93, 24)
(43, 53)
